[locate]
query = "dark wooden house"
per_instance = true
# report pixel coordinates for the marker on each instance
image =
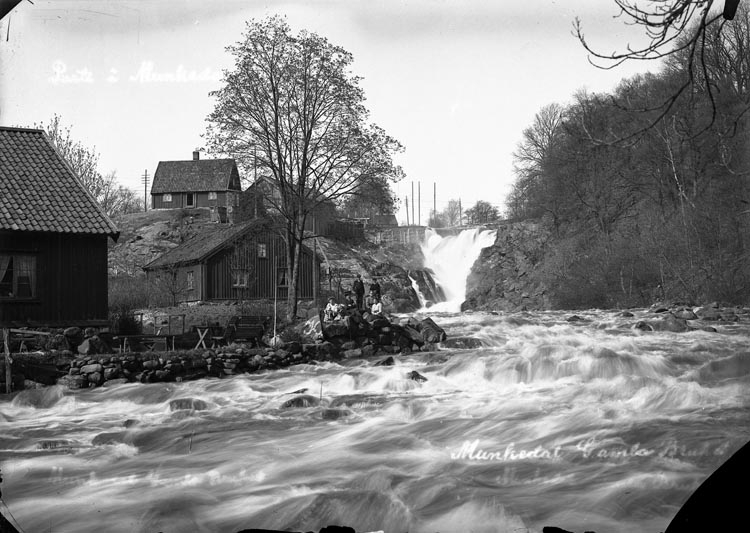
(244, 261)
(212, 183)
(53, 238)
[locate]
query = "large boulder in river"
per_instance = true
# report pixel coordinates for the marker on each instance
(671, 323)
(709, 312)
(431, 332)
(413, 334)
(188, 404)
(463, 343)
(337, 328)
(303, 400)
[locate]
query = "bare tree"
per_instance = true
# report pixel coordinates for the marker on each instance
(292, 108)
(436, 220)
(242, 266)
(169, 281)
(672, 27)
(84, 161)
(452, 213)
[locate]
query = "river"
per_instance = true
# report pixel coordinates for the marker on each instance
(586, 425)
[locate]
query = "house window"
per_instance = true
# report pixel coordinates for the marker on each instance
(190, 280)
(166, 197)
(190, 200)
(212, 195)
(17, 276)
(281, 277)
(262, 250)
(240, 277)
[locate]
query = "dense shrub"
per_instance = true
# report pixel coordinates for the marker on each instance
(126, 294)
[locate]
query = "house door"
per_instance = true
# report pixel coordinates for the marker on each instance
(190, 200)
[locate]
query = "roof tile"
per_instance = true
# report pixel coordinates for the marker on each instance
(203, 175)
(38, 190)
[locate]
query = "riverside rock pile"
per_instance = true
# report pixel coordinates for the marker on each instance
(337, 341)
(677, 318)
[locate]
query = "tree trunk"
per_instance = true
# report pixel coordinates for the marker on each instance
(294, 252)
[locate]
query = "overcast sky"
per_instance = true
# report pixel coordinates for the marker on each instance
(455, 81)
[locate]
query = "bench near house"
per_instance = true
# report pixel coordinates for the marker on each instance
(53, 238)
(212, 183)
(245, 261)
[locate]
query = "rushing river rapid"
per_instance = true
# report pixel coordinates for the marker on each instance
(587, 424)
(584, 425)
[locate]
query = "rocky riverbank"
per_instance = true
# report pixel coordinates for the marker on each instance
(317, 342)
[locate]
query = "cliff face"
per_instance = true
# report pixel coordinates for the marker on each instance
(506, 276)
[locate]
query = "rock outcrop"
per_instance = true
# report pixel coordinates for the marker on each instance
(505, 277)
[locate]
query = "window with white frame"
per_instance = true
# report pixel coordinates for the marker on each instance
(262, 250)
(190, 280)
(166, 197)
(240, 277)
(212, 195)
(17, 276)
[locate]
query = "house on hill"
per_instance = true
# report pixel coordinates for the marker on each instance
(53, 238)
(383, 220)
(242, 261)
(212, 183)
(262, 197)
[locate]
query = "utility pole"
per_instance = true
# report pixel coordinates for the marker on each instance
(8, 361)
(419, 203)
(434, 199)
(412, 203)
(145, 189)
(407, 210)
(316, 265)
(413, 218)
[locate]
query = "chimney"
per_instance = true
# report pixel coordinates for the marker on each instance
(196, 155)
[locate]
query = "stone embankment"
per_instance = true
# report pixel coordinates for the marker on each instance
(342, 339)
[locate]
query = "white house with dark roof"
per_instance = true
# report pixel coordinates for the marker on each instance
(212, 183)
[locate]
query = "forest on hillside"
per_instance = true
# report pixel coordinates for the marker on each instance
(645, 190)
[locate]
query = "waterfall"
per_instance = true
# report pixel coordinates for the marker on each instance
(449, 259)
(428, 291)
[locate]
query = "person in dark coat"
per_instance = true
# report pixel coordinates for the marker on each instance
(375, 286)
(359, 291)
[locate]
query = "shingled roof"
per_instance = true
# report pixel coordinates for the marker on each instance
(208, 242)
(201, 245)
(197, 175)
(40, 192)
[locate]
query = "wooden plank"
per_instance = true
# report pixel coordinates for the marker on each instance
(8, 361)
(29, 332)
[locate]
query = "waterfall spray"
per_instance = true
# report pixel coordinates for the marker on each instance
(450, 259)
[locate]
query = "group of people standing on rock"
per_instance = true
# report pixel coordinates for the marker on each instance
(356, 304)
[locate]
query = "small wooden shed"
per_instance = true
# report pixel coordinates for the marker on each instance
(53, 238)
(243, 261)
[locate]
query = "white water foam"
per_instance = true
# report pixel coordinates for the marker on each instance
(451, 259)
